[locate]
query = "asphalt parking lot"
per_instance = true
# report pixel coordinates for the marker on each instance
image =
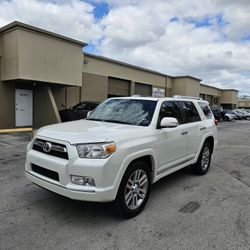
(184, 211)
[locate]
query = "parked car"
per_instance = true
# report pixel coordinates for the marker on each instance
(238, 114)
(78, 111)
(246, 115)
(124, 146)
(217, 112)
(229, 116)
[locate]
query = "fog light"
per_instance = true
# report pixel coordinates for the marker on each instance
(79, 180)
(83, 180)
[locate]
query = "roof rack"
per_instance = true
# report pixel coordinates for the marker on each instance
(186, 97)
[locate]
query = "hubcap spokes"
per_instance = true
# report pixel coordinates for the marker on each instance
(205, 158)
(136, 189)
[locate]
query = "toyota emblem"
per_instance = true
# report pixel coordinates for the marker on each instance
(47, 147)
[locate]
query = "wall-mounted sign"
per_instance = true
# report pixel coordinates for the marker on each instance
(158, 92)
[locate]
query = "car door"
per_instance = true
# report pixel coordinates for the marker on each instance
(194, 127)
(172, 141)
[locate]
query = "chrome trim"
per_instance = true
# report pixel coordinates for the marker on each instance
(57, 148)
(175, 165)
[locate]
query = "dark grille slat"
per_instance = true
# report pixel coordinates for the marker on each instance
(45, 172)
(37, 146)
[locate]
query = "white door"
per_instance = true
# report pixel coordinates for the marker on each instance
(172, 147)
(172, 141)
(24, 107)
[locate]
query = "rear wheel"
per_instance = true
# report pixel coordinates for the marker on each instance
(203, 163)
(134, 189)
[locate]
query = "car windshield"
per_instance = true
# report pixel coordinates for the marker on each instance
(125, 111)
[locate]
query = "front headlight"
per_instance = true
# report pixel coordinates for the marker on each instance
(96, 151)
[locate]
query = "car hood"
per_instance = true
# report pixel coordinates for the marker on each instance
(84, 131)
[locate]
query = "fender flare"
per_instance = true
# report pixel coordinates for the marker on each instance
(132, 157)
(205, 137)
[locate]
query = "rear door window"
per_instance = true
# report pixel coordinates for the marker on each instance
(190, 112)
(206, 110)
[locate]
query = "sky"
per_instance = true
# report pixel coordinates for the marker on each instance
(202, 38)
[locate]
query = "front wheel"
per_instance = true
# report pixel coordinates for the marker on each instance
(202, 165)
(134, 189)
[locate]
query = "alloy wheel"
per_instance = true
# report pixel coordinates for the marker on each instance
(205, 158)
(136, 189)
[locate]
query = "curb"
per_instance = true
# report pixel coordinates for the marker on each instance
(15, 130)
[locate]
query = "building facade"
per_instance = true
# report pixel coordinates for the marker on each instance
(42, 72)
(244, 103)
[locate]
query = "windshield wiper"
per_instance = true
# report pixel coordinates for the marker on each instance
(113, 121)
(117, 121)
(94, 119)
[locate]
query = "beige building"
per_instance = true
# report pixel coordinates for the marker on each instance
(42, 72)
(244, 103)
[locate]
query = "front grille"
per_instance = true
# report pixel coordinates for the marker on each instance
(56, 149)
(45, 172)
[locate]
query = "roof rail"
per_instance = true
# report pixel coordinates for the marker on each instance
(186, 97)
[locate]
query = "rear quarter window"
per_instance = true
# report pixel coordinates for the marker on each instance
(206, 110)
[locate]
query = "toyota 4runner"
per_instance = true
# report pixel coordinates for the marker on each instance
(123, 146)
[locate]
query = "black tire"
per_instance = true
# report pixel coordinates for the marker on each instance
(226, 118)
(203, 163)
(129, 188)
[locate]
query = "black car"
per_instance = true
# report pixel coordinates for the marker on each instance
(79, 111)
(217, 112)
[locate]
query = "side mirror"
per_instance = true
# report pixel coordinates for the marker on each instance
(169, 122)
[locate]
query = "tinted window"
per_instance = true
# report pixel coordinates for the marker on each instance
(125, 111)
(92, 106)
(170, 109)
(206, 110)
(190, 112)
(80, 106)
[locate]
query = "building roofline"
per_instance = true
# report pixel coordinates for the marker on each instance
(138, 67)
(230, 90)
(17, 24)
(126, 64)
(187, 76)
(209, 86)
(152, 71)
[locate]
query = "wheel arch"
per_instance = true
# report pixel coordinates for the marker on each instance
(149, 160)
(147, 156)
(210, 140)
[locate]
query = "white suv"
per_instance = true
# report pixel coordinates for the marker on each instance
(124, 146)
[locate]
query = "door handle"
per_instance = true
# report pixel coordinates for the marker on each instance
(203, 128)
(184, 133)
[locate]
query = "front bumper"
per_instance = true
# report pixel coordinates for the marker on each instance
(96, 195)
(102, 170)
